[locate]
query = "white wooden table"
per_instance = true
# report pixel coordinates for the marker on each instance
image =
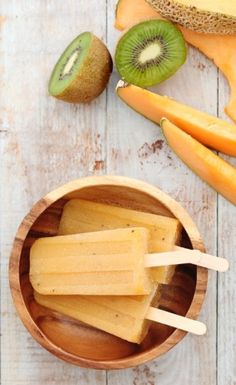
(45, 143)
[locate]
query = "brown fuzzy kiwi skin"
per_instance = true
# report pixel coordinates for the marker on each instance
(195, 19)
(93, 76)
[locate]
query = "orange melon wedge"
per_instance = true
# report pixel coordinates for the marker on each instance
(222, 50)
(130, 12)
(209, 130)
(211, 168)
(219, 48)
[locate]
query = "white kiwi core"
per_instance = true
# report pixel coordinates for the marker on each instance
(70, 64)
(151, 52)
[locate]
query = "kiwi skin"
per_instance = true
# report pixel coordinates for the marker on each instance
(93, 76)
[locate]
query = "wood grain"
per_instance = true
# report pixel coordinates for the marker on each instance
(73, 341)
(136, 147)
(44, 143)
(226, 304)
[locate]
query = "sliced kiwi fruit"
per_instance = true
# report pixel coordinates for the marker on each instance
(150, 52)
(82, 71)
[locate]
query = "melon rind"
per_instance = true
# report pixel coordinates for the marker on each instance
(191, 17)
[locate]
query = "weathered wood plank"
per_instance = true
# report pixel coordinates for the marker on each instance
(44, 143)
(136, 148)
(227, 282)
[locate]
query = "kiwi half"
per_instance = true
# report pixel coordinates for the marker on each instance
(82, 71)
(150, 52)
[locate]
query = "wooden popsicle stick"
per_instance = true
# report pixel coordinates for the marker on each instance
(180, 255)
(176, 321)
(206, 260)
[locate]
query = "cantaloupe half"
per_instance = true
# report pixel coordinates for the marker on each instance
(219, 48)
(209, 130)
(208, 16)
(211, 168)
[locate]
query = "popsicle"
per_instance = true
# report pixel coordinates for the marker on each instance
(81, 216)
(109, 262)
(125, 317)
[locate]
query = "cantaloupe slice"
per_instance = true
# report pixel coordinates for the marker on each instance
(130, 12)
(222, 50)
(219, 48)
(123, 16)
(209, 130)
(211, 168)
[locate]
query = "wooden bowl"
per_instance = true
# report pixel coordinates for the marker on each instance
(74, 341)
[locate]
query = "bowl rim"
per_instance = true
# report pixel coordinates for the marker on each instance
(38, 208)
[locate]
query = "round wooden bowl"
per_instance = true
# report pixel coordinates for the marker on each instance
(79, 343)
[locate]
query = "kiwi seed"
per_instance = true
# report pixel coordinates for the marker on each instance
(150, 52)
(82, 71)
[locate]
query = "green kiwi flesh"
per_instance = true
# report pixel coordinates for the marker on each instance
(69, 63)
(83, 70)
(150, 52)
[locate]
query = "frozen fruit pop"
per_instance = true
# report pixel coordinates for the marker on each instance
(109, 262)
(117, 315)
(80, 216)
(125, 317)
